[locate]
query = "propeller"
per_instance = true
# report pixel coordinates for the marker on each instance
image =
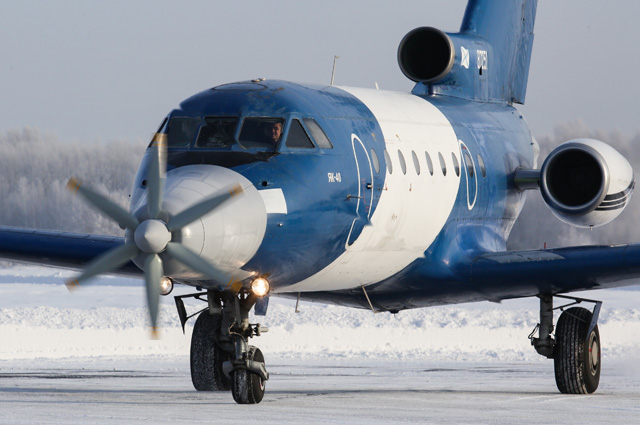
(149, 237)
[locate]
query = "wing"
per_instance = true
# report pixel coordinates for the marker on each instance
(515, 274)
(61, 249)
(495, 277)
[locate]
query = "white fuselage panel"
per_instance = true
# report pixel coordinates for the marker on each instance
(412, 208)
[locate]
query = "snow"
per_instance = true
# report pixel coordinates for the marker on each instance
(86, 357)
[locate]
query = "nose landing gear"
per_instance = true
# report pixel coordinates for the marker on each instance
(221, 358)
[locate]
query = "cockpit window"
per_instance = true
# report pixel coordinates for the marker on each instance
(297, 137)
(217, 133)
(264, 133)
(317, 134)
(182, 131)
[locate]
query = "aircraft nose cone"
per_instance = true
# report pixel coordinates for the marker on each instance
(152, 236)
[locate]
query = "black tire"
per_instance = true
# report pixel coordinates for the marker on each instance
(248, 387)
(577, 358)
(206, 356)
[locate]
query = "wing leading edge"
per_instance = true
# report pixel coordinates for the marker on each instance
(60, 249)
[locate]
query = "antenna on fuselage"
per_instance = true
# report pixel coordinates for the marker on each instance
(333, 73)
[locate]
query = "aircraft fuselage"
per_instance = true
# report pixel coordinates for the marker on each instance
(408, 188)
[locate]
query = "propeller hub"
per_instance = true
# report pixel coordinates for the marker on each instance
(152, 236)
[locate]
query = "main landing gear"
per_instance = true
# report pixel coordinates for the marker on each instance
(575, 350)
(221, 358)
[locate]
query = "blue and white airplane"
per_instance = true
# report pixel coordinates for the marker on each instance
(364, 198)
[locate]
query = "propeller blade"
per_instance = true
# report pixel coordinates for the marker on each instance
(152, 275)
(114, 211)
(200, 209)
(200, 265)
(110, 260)
(156, 174)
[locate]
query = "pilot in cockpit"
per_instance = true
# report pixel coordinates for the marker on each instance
(273, 132)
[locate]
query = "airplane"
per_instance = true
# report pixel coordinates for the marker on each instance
(363, 198)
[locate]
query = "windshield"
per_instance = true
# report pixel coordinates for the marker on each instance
(182, 131)
(217, 133)
(220, 133)
(263, 133)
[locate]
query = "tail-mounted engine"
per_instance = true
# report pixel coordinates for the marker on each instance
(584, 182)
(426, 55)
(446, 63)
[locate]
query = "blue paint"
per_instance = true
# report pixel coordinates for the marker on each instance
(492, 53)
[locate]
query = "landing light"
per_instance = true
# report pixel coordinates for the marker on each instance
(166, 286)
(260, 286)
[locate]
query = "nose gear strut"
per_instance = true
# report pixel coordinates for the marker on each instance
(221, 357)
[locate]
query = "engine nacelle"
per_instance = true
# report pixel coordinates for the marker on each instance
(426, 55)
(445, 63)
(586, 182)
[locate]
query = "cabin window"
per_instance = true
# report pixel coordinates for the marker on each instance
(297, 137)
(443, 165)
(456, 165)
(482, 168)
(375, 161)
(317, 134)
(416, 163)
(182, 131)
(403, 164)
(429, 163)
(217, 133)
(387, 159)
(469, 163)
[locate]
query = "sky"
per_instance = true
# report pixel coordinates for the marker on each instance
(96, 71)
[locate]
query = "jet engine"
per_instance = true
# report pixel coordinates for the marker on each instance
(426, 55)
(446, 63)
(586, 182)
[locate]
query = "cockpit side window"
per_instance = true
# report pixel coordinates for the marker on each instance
(264, 133)
(297, 137)
(182, 131)
(217, 133)
(318, 134)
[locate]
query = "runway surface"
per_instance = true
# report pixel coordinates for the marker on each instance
(158, 391)
(85, 358)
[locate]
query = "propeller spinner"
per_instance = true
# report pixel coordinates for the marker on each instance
(148, 238)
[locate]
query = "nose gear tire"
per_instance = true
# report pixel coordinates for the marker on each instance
(206, 357)
(248, 387)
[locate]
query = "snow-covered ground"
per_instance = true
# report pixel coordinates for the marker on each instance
(85, 357)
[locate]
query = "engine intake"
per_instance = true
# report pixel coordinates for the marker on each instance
(586, 182)
(426, 55)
